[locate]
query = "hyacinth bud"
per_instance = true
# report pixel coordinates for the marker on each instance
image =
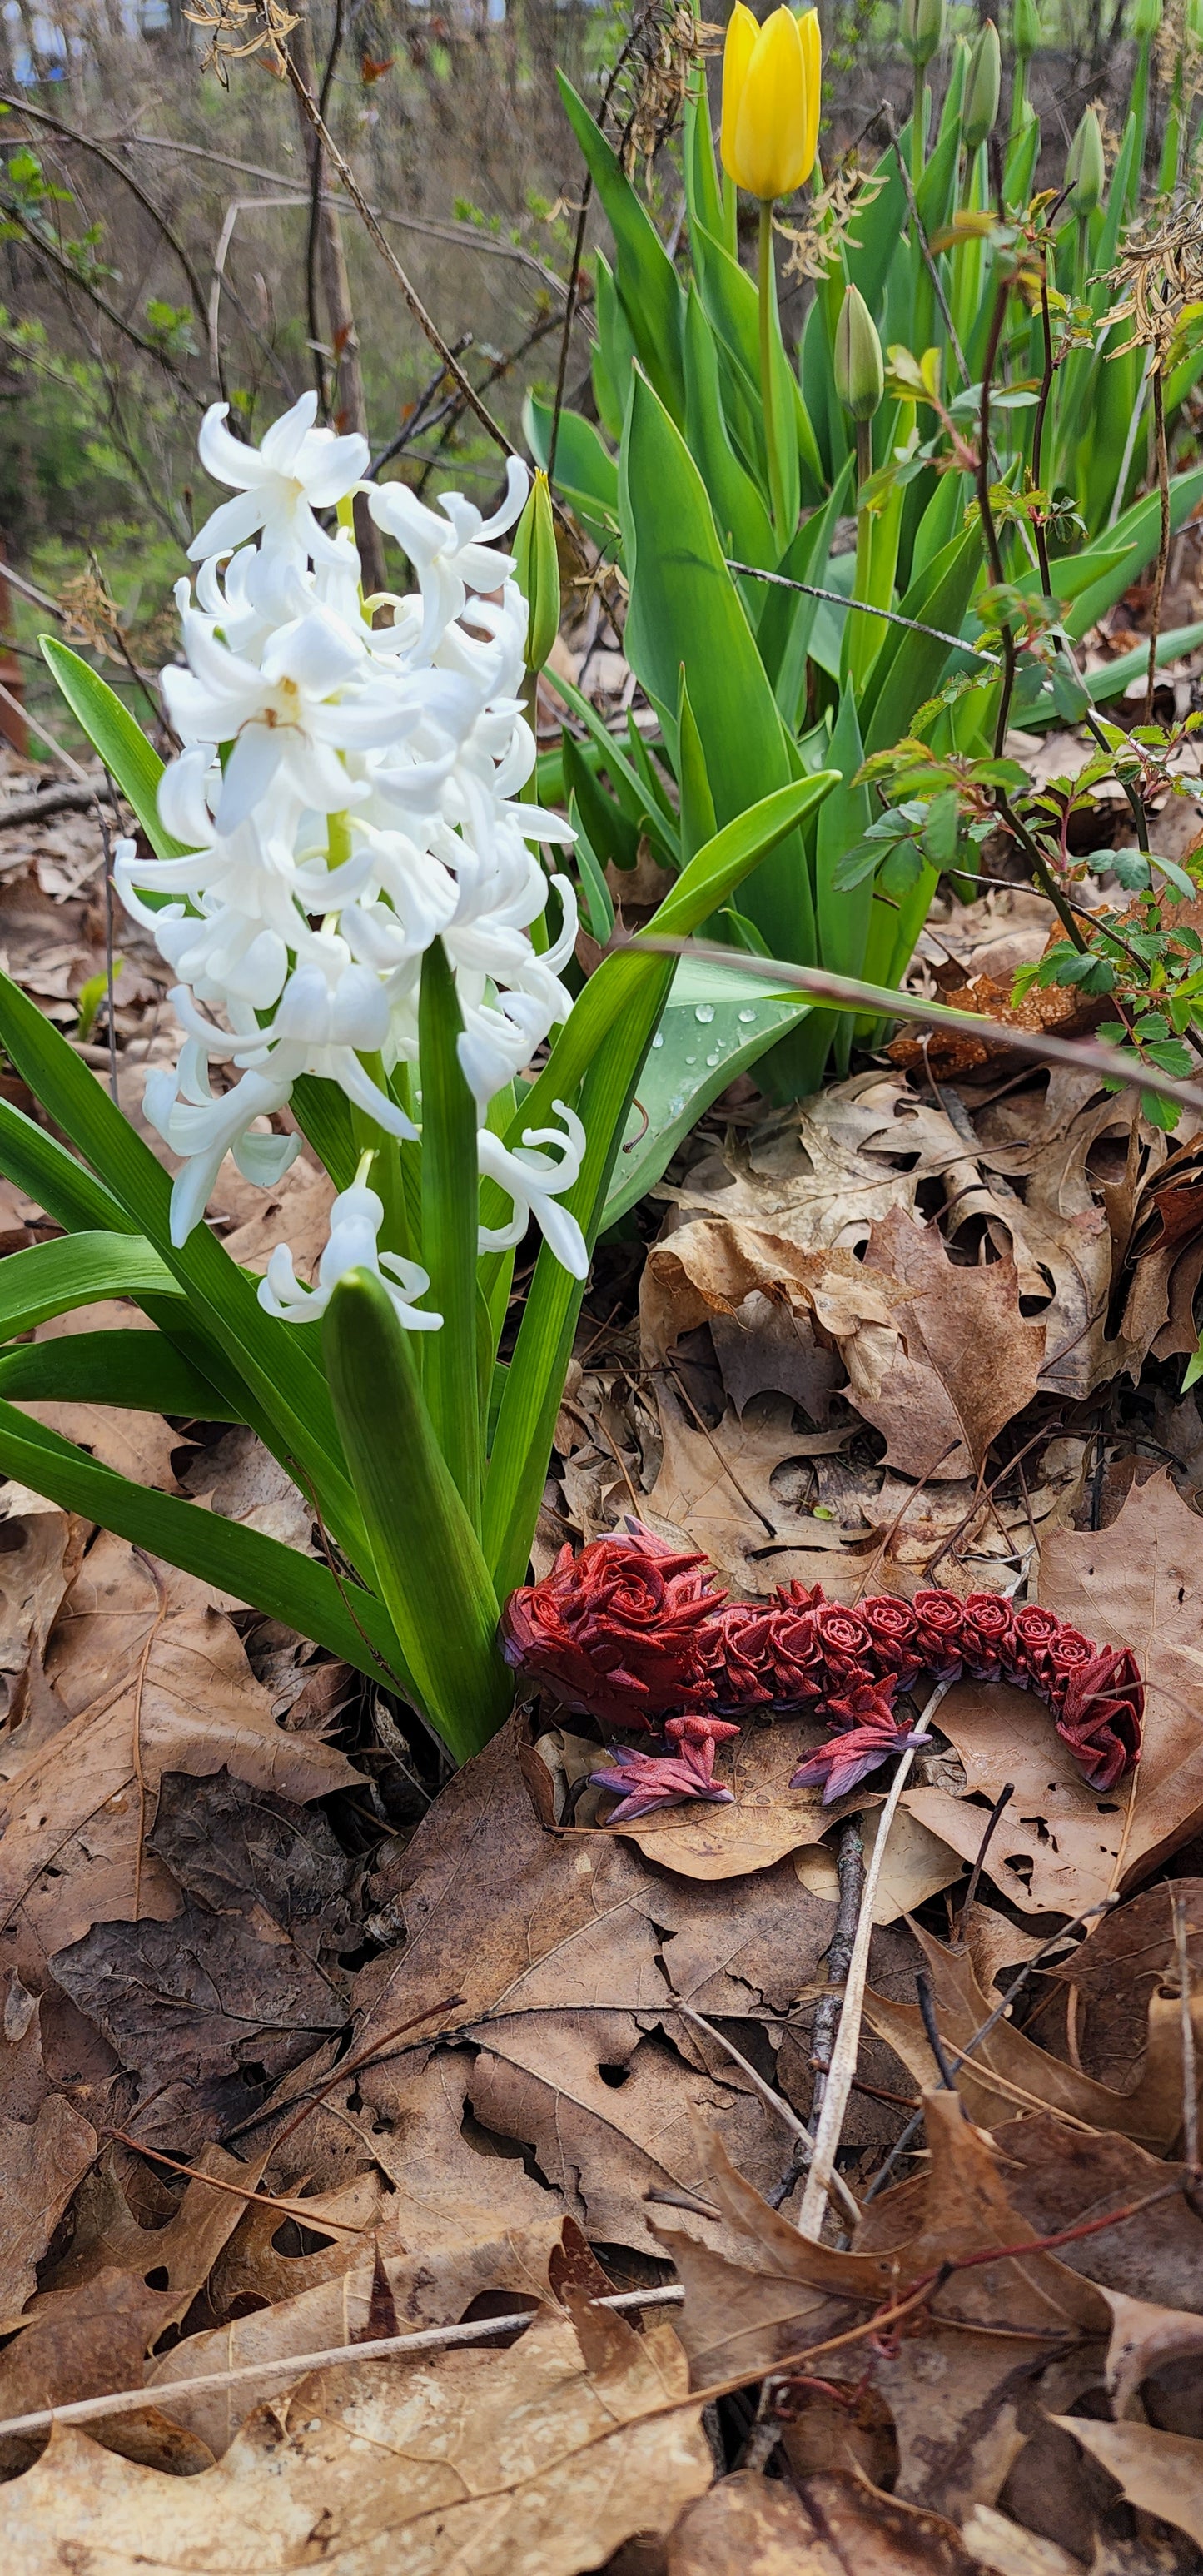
(983, 81)
(921, 27)
(538, 572)
(1025, 29)
(1085, 168)
(859, 374)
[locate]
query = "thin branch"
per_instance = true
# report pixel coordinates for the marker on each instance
(100, 152)
(371, 225)
(286, 2366)
(984, 2030)
(804, 2141)
(847, 2046)
(1163, 549)
(55, 258)
(459, 236)
(848, 993)
(892, 616)
(1003, 1800)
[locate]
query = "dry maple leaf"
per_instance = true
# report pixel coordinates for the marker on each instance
(543, 2457)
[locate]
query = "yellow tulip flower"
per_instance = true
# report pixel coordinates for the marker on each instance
(771, 80)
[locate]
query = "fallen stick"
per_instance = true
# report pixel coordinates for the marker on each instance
(66, 796)
(294, 2365)
(847, 2042)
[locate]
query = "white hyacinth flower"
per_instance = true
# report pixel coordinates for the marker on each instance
(355, 1221)
(450, 555)
(536, 1183)
(298, 469)
(347, 793)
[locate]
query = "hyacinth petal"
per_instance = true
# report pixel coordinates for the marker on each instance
(229, 525)
(342, 463)
(282, 444)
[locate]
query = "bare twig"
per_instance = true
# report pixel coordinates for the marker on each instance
(844, 2056)
(932, 2029)
(866, 607)
(371, 224)
(286, 2366)
(850, 1874)
(1190, 2078)
(64, 797)
(803, 2140)
(44, 248)
(1005, 1795)
(1084, 1054)
(974, 2042)
(1163, 548)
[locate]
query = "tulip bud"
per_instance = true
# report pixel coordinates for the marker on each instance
(770, 121)
(859, 374)
(922, 29)
(983, 82)
(1146, 18)
(1085, 168)
(538, 572)
(1025, 29)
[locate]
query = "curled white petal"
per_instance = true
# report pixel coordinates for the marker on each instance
(535, 1182)
(355, 1221)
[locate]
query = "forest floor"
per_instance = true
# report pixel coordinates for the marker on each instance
(307, 2045)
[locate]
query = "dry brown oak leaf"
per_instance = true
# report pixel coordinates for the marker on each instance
(1115, 1971)
(118, 2288)
(150, 1676)
(833, 2526)
(571, 1951)
(1159, 2473)
(543, 2458)
(1060, 1847)
(1010, 2073)
(953, 2384)
(206, 2010)
(1057, 2177)
(42, 2161)
(429, 2287)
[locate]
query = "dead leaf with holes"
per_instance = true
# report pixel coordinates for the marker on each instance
(570, 1992)
(1159, 2473)
(1008, 2072)
(430, 2286)
(948, 2380)
(1062, 1846)
(149, 1676)
(545, 2456)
